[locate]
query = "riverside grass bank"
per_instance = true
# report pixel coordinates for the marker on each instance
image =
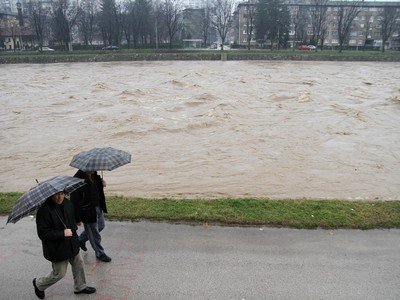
(188, 55)
(291, 213)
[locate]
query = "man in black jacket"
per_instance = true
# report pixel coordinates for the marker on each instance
(56, 227)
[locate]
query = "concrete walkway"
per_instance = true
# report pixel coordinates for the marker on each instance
(165, 261)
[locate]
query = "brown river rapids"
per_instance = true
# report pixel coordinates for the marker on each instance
(208, 129)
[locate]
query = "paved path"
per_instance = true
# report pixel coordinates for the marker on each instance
(165, 261)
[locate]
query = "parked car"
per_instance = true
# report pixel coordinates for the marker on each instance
(45, 48)
(110, 48)
(312, 47)
(303, 47)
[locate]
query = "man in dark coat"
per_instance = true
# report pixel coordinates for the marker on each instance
(56, 227)
(90, 203)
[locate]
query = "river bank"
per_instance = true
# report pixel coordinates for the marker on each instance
(233, 55)
(292, 213)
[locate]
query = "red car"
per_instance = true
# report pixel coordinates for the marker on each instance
(304, 47)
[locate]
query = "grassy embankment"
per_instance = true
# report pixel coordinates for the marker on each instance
(328, 214)
(151, 54)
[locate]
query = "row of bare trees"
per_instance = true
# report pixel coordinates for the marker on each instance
(142, 23)
(138, 22)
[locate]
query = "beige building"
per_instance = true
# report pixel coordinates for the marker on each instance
(15, 33)
(365, 30)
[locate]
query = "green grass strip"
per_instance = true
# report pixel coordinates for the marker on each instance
(152, 55)
(309, 214)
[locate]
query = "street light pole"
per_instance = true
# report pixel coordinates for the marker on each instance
(70, 38)
(156, 21)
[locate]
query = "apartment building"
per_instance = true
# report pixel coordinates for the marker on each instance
(15, 32)
(365, 30)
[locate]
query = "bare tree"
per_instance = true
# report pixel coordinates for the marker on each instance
(87, 21)
(318, 15)
(250, 21)
(346, 13)
(388, 20)
(65, 14)
(300, 19)
(38, 18)
(206, 23)
(127, 21)
(159, 28)
(137, 21)
(222, 12)
(172, 13)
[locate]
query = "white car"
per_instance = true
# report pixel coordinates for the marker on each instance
(45, 48)
(312, 47)
(111, 47)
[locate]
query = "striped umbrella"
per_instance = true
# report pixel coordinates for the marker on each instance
(36, 196)
(100, 159)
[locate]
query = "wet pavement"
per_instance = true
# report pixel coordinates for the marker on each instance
(167, 261)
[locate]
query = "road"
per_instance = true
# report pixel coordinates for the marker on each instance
(169, 261)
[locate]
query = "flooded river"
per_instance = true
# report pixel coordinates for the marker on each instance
(208, 129)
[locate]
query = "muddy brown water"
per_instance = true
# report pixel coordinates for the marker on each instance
(208, 129)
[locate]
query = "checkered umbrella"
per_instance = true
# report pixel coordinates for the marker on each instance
(100, 159)
(36, 196)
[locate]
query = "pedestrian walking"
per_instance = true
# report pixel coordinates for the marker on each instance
(57, 229)
(90, 204)
(89, 201)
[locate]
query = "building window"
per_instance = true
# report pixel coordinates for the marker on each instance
(362, 25)
(352, 42)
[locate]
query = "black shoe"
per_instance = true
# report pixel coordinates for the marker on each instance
(39, 293)
(104, 258)
(87, 290)
(82, 245)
